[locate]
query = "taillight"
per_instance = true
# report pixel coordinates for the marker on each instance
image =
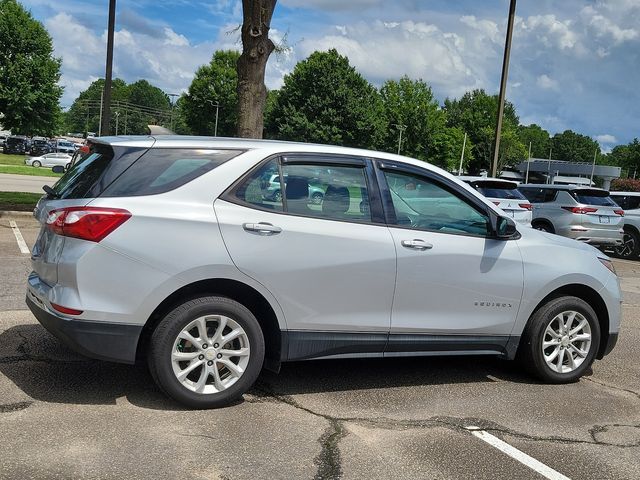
(581, 209)
(619, 212)
(497, 203)
(87, 223)
(66, 310)
(528, 206)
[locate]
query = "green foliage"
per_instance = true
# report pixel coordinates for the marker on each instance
(538, 137)
(28, 170)
(626, 156)
(476, 113)
(213, 83)
(24, 202)
(625, 185)
(446, 149)
(29, 74)
(573, 147)
(326, 100)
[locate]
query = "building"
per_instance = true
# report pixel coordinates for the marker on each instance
(542, 170)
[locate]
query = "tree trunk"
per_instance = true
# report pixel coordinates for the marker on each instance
(256, 48)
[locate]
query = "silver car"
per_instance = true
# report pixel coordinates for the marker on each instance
(585, 214)
(630, 203)
(165, 250)
(49, 160)
(506, 196)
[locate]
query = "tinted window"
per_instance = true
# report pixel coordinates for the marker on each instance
(262, 188)
(593, 197)
(163, 169)
(79, 179)
(508, 193)
(539, 195)
(422, 204)
(327, 191)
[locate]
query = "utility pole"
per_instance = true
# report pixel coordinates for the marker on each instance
(503, 86)
(401, 128)
(526, 178)
(173, 104)
(117, 118)
(101, 104)
(464, 144)
(106, 117)
(593, 167)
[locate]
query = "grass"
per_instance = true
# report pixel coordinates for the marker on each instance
(12, 159)
(24, 202)
(26, 170)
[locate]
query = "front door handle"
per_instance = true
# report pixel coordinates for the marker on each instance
(261, 228)
(416, 244)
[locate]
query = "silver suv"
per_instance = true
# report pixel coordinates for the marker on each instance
(630, 203)
(505, 195)
(585, 214)
(166, 250)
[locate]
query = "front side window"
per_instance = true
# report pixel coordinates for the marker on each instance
(425, 205)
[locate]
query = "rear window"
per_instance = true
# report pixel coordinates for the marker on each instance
(501, 192)
(593, 197)
(539, 195)
(163, 169)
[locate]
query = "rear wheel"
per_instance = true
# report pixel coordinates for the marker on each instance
(561, 340)
(630, 247)
(543, 227)
(207, 352)
(317, 198)
(36, 164)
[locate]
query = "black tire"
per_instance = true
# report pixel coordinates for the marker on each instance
(165, 334)
(630, 248)
(543, 227)
(36, 164)
(277, 196)
(530, 352)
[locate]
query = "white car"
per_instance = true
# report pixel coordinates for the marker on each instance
(504, 194)
(49, 160)
(630, 203)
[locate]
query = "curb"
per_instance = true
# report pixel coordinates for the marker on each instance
(15, 213)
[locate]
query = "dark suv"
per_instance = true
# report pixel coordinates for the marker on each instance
(15, 144)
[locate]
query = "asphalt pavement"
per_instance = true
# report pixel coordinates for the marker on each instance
(64, 416)
(24, 183)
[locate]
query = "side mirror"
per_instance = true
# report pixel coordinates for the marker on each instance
(505, 227)
(57, 169)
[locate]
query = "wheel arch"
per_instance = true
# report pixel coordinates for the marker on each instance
(234, 289)
(593, 298)
(543, 221)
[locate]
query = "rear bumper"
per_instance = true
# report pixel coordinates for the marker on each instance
(105, 341)
(593, 236)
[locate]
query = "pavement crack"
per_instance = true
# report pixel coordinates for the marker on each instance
(14, 407)
(612, 387)
(26, 356)
(328, 460)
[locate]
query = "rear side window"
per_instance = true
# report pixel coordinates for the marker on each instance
(593, 197)
(163, 169)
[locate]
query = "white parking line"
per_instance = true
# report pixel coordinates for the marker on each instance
(22, 245)
(516, 454)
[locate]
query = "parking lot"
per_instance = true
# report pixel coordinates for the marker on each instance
(64, 416)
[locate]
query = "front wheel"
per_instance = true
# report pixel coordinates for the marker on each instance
(36, 164)
(207, 352)
(561, 340)
(630, 248)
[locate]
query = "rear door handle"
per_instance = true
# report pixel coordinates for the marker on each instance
(416, 244)
(261, 228)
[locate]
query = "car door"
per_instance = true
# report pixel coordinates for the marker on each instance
(457, 287)
(331, 265)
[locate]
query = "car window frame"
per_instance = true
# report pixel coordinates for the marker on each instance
(442, 182)
(312, 158)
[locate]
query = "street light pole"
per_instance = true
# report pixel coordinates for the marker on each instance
(401, 128)
(106, 117)
(117, 118)
(173, 104)
(503, 86)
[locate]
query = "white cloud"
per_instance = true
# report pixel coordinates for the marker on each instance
(606, 138)
(546, 82)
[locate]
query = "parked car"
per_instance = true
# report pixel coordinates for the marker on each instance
(585, 214)
(505, 194)
(65, 146)
(164, 249)
(271, 189)
(3, 140)
(49, 160)
(630, 203)
(15, 144)
(39, 147)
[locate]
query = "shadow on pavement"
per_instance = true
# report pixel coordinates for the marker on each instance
(46, 370)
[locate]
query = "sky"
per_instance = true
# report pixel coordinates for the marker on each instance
(575, 64)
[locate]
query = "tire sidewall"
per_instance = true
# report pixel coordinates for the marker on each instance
(535, 336)
(164, 336)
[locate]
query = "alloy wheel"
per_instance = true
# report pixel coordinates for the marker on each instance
(566, 341)
(628, 246)
(210, 354)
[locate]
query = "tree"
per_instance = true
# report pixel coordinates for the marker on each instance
(538, 137)
(627, 157)
(256, 48)
(215, 83)
(84, 113)
(512, 150)
(445, 149)
(152, 100)
(474, 112)
(326, 100)
(573, 147)
(29, 74)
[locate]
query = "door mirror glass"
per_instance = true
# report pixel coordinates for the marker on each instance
(505, 227)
